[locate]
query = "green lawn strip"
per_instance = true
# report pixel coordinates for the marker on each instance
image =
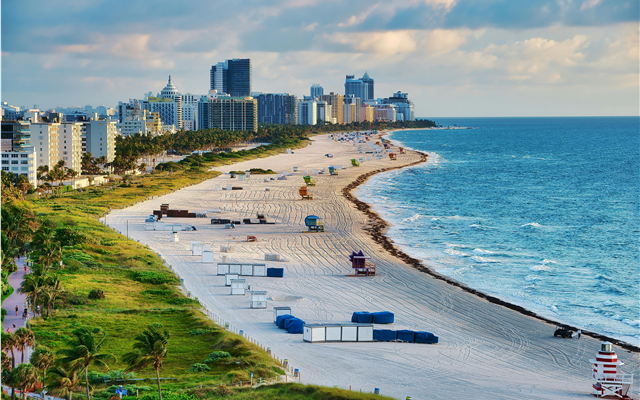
(289, 391)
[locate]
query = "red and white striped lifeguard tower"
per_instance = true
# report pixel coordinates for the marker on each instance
(607, 381)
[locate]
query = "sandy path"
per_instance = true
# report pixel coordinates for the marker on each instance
(485, 352)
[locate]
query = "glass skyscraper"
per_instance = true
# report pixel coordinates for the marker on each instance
(232, 77)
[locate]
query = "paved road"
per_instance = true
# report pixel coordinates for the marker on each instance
(11, 321)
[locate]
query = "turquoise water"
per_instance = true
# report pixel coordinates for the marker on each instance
(541, 212)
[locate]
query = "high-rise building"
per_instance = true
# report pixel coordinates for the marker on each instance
(45, 137)
(323, 111)
(366, 113)
(336, 101)
(356, 87)
(190, 111)
(307, 112)
(154, 123)
(70, 145)
(232, 77)
(369, 82)
(18, 155)
(100, 138)
(351, 111)
(316, 90)
(233, 113)
(404, 106)
(277, 108)
(171, 92)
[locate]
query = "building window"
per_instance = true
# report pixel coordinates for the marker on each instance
(24, 155)
(24, 162)
(5, 168)
(14, 161)
(24, 168)
(40, 147)
(14, 156)
(5, 156)
(5, 162)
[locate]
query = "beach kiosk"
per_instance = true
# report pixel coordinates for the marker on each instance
(392, 156)
(228, 278)
(258, 299)
(314, 333)
(278, 311)
(314, 223)
(355, 162)
(362, 265)
(197, 248)
(333, 171)
(207, 257)
(608, 382)
(237, 286)
(174, 237)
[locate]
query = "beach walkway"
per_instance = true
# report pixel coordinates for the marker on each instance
(486, 351)
(11, 320)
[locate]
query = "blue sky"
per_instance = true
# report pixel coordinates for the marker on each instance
(453, 57)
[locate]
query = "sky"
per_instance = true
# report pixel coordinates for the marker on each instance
(455, 58)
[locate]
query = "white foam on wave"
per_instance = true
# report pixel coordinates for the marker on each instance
(545, 262)
(539, 268)
(608, 303)
(531, 225)
(632, 322)
(475, 226)
(457, 253)
(413, 218)
(484, 260)
(435, 219)
(530, 278)
(482, 251)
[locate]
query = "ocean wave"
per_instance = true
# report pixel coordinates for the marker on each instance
(457, 253)
(608, 303)
(482, 251)
(539, 268)
(435, 219)
(631, 322)
(530, 278)
(545, 262)
(531, 225)
(414, 218)
(484, 260)
(476, 226)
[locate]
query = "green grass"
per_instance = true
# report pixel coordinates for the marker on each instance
(289, 391)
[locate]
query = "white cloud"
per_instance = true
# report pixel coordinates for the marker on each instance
(381, 43)
(587, 4)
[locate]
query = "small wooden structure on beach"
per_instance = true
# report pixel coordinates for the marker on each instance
(305, 193)
(392, 156)
(362, 265)
(314, 223)
(258, 299)
(309, 181)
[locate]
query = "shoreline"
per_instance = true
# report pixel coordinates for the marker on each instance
(380, 226)
(317, 288)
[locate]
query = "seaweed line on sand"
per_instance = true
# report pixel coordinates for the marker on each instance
(377, 228)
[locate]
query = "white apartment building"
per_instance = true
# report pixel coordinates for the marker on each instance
(100, 138)
(45, 137)
(307, 112)
(190, 112)
(22, 162)
(70, 145)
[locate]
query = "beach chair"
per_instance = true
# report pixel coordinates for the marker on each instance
(392, 156)
(309, 180)
(252, 238)
(305, 194)
(314, 223)
(355, 162)
(333, 171)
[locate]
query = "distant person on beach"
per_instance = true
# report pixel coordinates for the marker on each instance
(579, 333)
(24, 314)
(17, 309)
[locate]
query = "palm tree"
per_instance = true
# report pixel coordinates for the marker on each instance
(84, 351)
(6, 361)
(149, 348)
(32, 286)
(43, 170)
(42, 358)
(52, 290)
(65, 379)
(142, 168)
(24, 339)
(8, 254)
(24, 376)
(9, 344)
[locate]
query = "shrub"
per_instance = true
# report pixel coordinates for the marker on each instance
(178, 301)
(158, 292)
(95, 377)
(217, 355)
(199, 331)
(199, 368)
(69, 236)
(223, 390)
(153, 278)
(96, 294)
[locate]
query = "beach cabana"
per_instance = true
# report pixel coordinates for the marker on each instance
(362, 317)
(149, 224)
(365, 333)
(279, 311)
(228, 278)
(223, 269)
(275, 272)
(235, 268)
(207, 256)
(309, 181)
(384, 335)
(355, 162)
(246, 269)
(405, 335)
(383, 317)
(237, 286)
(174, 237)
(314, 223)
(425, 337)
(333, 171)
(272, 257)
(392, 156)
(349, 333)
(258, 299)
(305, 193)
(259, 270)
(314, 333)
(333, 333)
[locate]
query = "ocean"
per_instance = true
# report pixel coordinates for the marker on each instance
(540, 212)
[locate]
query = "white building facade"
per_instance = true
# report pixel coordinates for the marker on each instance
(70, 145)
(307, 112)
(100, 138)
(45, 137)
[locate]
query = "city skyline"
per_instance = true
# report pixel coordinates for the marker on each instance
(454, 58)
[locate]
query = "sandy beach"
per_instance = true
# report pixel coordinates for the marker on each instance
(486, 351)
